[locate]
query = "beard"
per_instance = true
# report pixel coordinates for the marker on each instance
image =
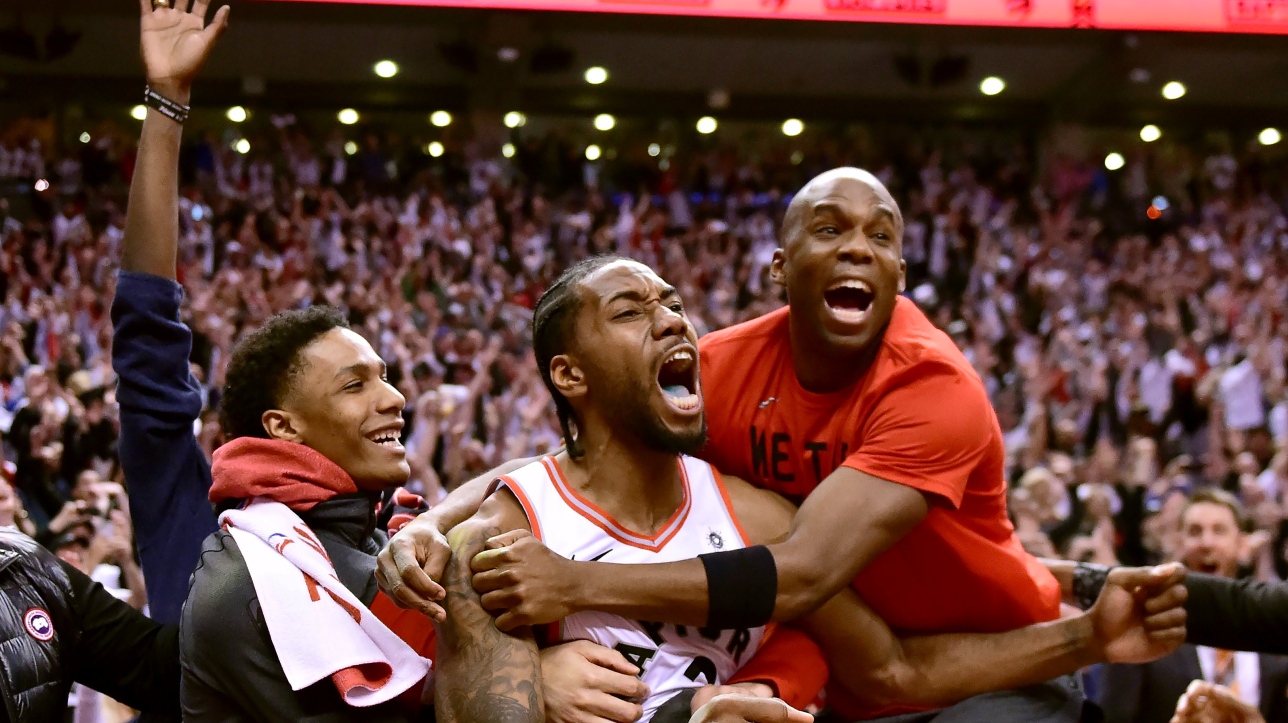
(653, 432)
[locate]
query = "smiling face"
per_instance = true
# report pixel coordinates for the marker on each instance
(635, 358)
(842, 259)
(341, 405)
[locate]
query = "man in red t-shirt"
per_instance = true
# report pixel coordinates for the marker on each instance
(852, 404)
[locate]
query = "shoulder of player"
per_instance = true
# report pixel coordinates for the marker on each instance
(765, 516)
(500, 512)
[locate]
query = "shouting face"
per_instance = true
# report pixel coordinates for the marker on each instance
(635, 358)
(842, 259)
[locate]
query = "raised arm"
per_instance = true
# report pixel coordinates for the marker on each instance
(166, 472)
(175, 44)
(482, 674)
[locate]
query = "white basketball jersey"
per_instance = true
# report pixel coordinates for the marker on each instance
(671, 657)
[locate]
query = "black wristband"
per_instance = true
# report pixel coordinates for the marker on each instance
(176, 112)
(1088, 581)
(742, 587)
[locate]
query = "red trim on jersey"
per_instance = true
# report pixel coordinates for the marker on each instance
(528, 509)
(605, 521)
(728, 503)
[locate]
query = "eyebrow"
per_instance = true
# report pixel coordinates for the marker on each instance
(360, 369)
(634, 295)
(835, 208)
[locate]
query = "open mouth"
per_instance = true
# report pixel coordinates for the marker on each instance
(849, 300)
(678, 379)
(1208, 568)
(388, 437)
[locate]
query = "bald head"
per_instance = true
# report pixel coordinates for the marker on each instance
(831, 183)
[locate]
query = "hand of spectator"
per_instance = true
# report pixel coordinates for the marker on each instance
(585, 682)
(72, 514)
(1205, 702)
(1140, 614)
(707, 692)
(176, 43)
(748, 709)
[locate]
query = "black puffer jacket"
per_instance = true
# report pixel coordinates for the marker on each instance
(58, 627)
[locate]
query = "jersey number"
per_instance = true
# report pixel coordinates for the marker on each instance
(640, 657)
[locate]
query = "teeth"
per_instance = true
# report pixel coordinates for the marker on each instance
(852, 284)
(682, 355)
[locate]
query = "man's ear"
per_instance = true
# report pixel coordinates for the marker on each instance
(567, 377)
(903, 275)
(777, 267)
(281, 425)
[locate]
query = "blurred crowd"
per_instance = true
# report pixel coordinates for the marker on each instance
(1127, 324)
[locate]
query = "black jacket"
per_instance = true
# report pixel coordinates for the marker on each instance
(1148, 693)
(58, 627)
(230, 669)
(1237, 614)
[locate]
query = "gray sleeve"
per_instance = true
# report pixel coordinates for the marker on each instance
(230, 670)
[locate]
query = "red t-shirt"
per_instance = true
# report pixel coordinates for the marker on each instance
(919, 417)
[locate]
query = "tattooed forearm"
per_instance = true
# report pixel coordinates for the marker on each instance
(483, 675)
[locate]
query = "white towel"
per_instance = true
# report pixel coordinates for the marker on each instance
(319, 629)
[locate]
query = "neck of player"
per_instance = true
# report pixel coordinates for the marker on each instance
(822, 368)
(640, 487)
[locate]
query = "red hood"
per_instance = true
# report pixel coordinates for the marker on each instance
(295, 475)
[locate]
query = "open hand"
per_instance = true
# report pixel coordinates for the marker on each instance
(175, 43)
(585, 682)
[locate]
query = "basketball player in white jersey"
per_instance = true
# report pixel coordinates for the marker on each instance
(620, 360)
(623, 491)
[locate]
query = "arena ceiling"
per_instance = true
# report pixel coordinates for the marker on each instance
(319, 56)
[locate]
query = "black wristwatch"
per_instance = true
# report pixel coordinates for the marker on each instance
(1088, 581)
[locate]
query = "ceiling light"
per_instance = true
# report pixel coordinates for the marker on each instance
(348, 116)
(386, 69)
(992, 85)
(593, 152)
(236, 114)
(1150, 133)
(596, 75)
(1114, 161)
(440, 118)
(604, 122)
(792, 127)
(707, 125)
(1174, 90)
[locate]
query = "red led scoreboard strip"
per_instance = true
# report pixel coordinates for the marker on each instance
(1237, 16)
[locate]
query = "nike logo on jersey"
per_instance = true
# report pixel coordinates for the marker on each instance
(596, 558)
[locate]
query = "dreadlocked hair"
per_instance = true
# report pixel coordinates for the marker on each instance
(552, 325)
(265, 362)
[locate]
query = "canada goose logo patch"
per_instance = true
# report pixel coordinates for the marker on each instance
(38, 624)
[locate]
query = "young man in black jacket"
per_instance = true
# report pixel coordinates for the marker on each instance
(58, 627)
